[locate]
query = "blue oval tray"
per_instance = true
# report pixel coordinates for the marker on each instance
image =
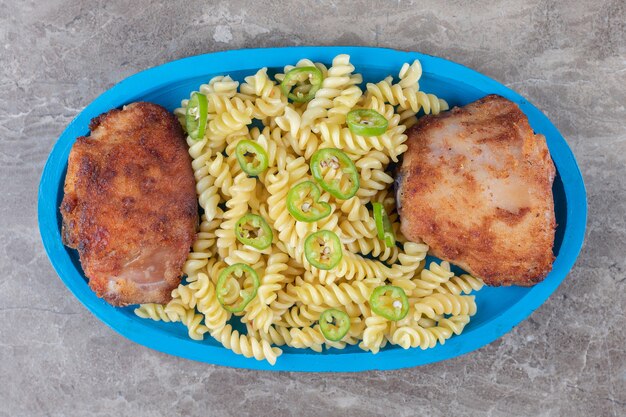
(499, 309)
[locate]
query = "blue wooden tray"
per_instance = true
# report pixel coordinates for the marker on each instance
(499, 309)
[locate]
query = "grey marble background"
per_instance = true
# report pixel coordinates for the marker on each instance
(567, 57)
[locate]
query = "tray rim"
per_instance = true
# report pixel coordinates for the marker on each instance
(305, 361)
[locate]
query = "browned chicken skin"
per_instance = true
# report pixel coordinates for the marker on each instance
(130, 205)
(476, 186)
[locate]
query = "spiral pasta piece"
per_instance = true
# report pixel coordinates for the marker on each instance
(276, 152)
(334, 295)
(278, 186)
(208, 197)
(154, 312)
(374, 334)
(233, 122)
(448, 327)
(186, 296)
(202, 248)
(300, 138)
(307, 337)
(356, 223)
(259, 315)
(245, 255)
(339, 78)
(355, 267)
(214, 267)
(413, 336)
(218, 104)
(284, 301)
(269, 100)
(334, 135)
(342, 104)
(356, 211)
(275, 335)
(181, 113)
(375, 248)
(237, 206)
(410, 74)
(277, 135)
(215, 316)
(456, 324)
(220, 170)
(352, 231)
(409, 97)
(378, 181)
(294, 269)
(410, 260)
(372, 162)
(394, 138)
(426, 322)
(431, 279)
(273, 279)
(438, 304)
(178, 311)
(250, 347)
(463, 284)
(301, 316)
(259, 85)
(221, 85)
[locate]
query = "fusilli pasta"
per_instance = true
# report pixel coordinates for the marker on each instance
(292, 293)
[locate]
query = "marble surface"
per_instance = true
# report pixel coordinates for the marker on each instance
(567, 57)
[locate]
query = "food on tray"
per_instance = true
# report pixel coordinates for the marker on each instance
(300, 240)
(130, 206)
(476, 186)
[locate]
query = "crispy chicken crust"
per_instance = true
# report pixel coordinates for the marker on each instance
(476, 186)
(130, 206)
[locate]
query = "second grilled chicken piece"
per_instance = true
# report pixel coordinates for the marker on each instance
(476, 185)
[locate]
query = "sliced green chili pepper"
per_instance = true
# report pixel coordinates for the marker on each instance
(366, 122)
(196, 116)
(334, 324)
(251, 157)
(302, 92)
(389, 302)
(323, 249)
(383, 225)
(325, 162)
(254, 231)
(228, 282)
(303, 202)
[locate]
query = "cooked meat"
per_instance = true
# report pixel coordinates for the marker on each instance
(130, 205)
(476, 186)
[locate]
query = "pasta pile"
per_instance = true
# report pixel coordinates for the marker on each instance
(293, 293)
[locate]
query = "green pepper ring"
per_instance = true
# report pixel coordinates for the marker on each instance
(196, 115)
(392, 313)
(335, 253)
(366, 122)
(315, 76)
(261, 242)
(347, 167)
(247, 146)
(334, 334)
(221, 281)
(316, 211)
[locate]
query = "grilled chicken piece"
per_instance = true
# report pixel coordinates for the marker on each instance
(130, 205)
(476, 186)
